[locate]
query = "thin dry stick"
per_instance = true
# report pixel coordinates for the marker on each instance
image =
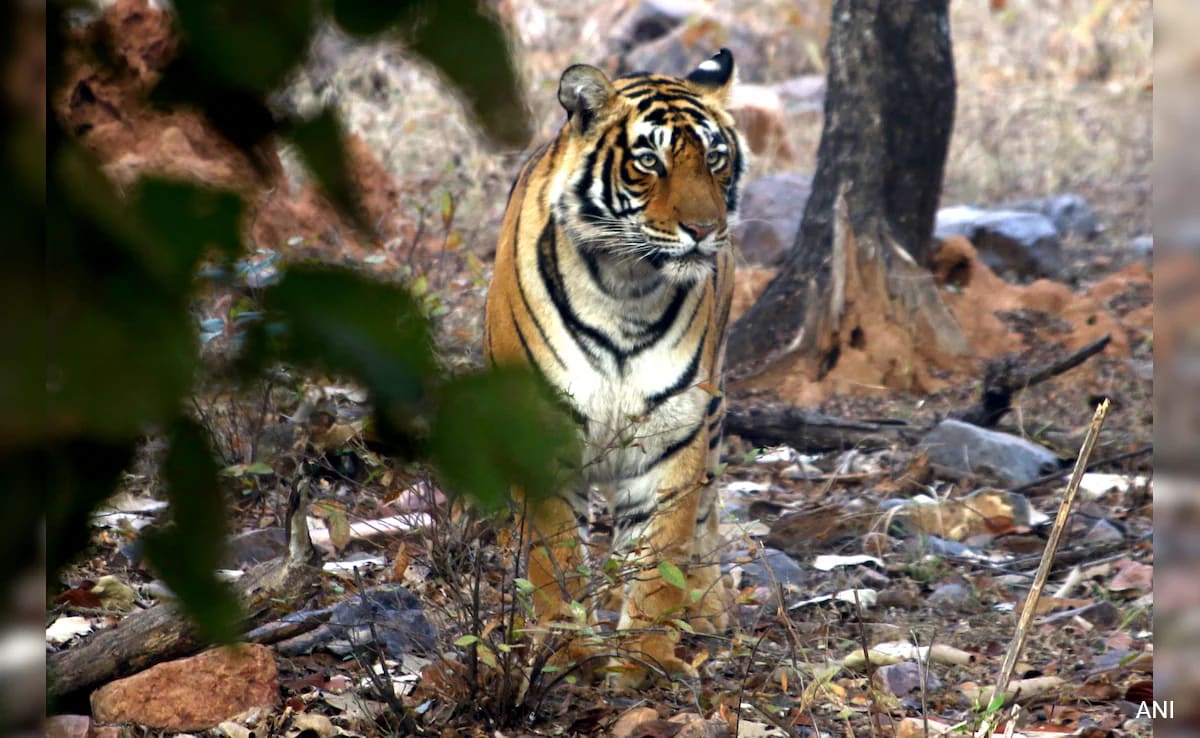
(1043, 571)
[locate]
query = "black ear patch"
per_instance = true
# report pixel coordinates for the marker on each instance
(583, 92)
(715, 72)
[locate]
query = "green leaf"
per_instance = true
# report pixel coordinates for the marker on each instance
(340, 321)
(188, 219)
(259, 468)
(247, 45)
(499, 429)
(188, 552)
(466, 640)
(672, 574)
(471, 48)
(322, 143)
(524, 585)
(368, 17)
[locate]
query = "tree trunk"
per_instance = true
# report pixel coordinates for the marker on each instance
(889, 109)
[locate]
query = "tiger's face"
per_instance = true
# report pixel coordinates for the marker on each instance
(656, 169)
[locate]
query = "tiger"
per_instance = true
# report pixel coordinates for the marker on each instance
(613, 280)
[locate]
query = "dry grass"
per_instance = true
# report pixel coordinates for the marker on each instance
(1052, 98)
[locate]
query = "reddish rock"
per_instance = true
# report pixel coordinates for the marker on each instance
(193, 693)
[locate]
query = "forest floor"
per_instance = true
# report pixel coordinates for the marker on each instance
(1050, 102)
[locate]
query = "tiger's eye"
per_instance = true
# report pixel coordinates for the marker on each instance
(715, 158)
(648, 161)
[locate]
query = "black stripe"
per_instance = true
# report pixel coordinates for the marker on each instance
(714, 440)
(587, 208)
(656, 330)
(525, 300)
(547, 259)
(631, 520)
(682, 383)
(713, 405)
(676, 447)
(521, 337)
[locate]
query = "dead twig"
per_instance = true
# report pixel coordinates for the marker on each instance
(1005, 378)
(1043, 572)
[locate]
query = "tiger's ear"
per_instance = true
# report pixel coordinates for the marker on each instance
(714, 77)
(584, 91)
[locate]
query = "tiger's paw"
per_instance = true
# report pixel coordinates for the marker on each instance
(651, 657)
(711, 613)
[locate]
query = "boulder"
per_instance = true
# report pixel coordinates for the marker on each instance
(1071, 214)
(758, 111)
(968, 448)
(387, 612)
(768, 567)
(1018, 245)
(195, 693)
(804, 94)
(769, 216)
(903, 680)
(649, 20)
(678, 52)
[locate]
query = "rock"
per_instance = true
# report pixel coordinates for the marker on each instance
(1070, 213)
(953, 595)
(68, 726)
(1019, 245)
(1143, 247)
(770, 214)
(974, 450)
(904, 679)
(256, 546)
(650, 20)
(195, 693)
(1102, 614)
(388, 611)
(631, 719)
(678, 52)
(1103, 532)
(700, 728)
(760, 117)
(804, 94)
(768, 567)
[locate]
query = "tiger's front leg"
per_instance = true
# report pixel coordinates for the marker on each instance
(676, 490)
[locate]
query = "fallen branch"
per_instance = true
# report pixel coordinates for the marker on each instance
(1001, 693)
(772, 424)
(1005, 378)
(161, 633)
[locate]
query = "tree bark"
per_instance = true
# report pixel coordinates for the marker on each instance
(889, 110)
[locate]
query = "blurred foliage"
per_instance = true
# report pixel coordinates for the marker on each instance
(118, 354)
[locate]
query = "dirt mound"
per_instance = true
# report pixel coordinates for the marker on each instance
(996, 319)
(104, 105)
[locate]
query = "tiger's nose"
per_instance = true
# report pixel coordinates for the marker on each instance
(698, 230)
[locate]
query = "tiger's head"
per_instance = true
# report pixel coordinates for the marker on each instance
(653, 167)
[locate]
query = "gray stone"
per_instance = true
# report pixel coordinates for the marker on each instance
(770, 566)
(1103, 532)
(650, 20)
(904, 679)
(769, 216)
(1143, 247)
(1072, 215)
(386, 619)
(1016, 245)
(951, 595)
(1007, 458)
(678, 52)
(804, 94)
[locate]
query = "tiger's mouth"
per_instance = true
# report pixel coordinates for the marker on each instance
(693, 256)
